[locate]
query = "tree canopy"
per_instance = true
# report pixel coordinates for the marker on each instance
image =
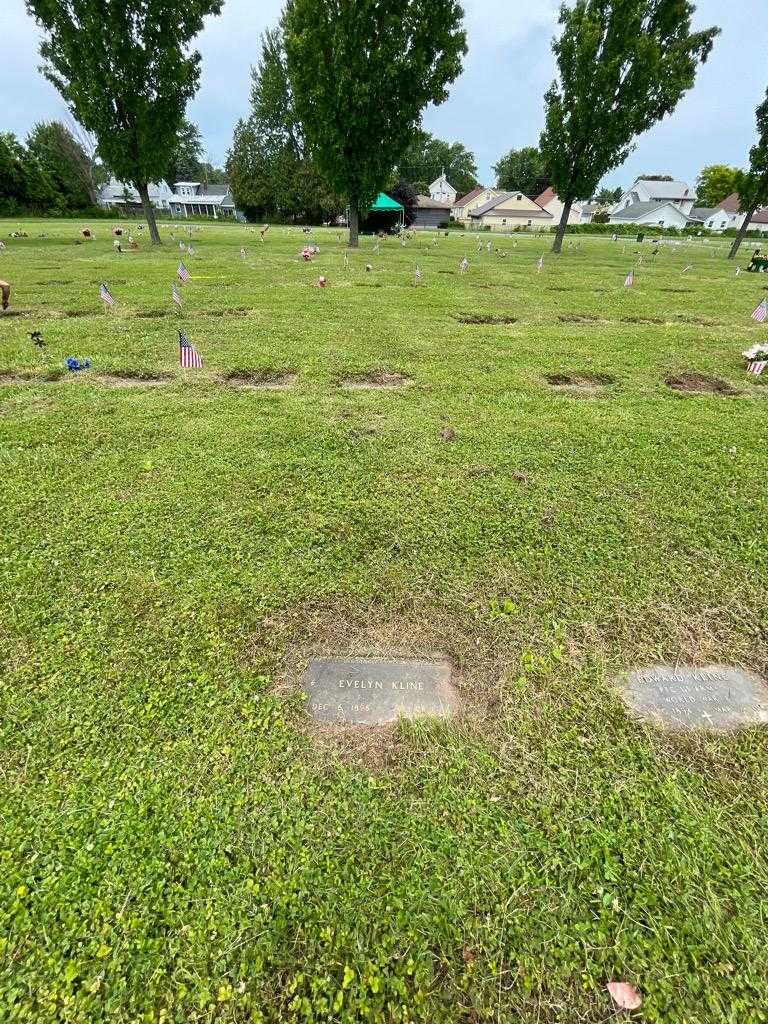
(270, 166)
(361, 73)
(126, 72)
(427, 157)
(715, 183)
(752, 184)
(622, 65)
(522, 170)
(51, 173)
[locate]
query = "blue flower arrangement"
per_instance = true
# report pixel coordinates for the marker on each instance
(75, 364)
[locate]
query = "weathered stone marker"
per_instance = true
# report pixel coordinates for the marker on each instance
(374, 691)
(686, 697)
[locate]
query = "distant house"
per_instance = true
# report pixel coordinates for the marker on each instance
(647, 190)
(651, 214)
(759, 221)
(442, 191)
(590, 210)
(477, 197)
(430, 213)
(508, 211)
(119, 195)
(195, 199)
(549, 201)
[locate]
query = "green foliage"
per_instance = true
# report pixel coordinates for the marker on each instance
(715, 182)
(270, 166)
(124, 69)
(427, 157)
(185, 160)
(608, 196)
(405, 194)
(61, 157)
(362, 71)
(752, 184)
(524, 170)
(175, 849)
(622, 65)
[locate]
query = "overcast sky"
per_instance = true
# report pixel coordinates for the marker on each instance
(495, 105)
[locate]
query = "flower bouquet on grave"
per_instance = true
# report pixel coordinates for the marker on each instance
(757, 358)
(307, 253)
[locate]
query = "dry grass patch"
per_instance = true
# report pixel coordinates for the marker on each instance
(700, 384)
(485, 318)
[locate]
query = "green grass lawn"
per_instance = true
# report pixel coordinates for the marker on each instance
(176, 844)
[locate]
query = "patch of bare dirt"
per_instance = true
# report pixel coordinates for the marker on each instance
(581, 379)
(231, 311)
(699, 321)
(53, 282)
(259, 379)
(151, 314)
(700, 384)
(134, 378)
(579, 318)
(642, 320)
(27, 376)
(378, 378)
(485, 318)
(14, 312)
(677, 291)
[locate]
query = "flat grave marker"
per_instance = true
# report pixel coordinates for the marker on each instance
(715, 697)
(377, 691)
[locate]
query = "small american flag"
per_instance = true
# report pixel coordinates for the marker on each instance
(761, 312)
(243, 253)
(540, 264)
(182, 273)
(188, 354)
(738, 271)
(106, 296)
(629, 280)
(175, 294)
(418, 273)
(756, 366)
(464, 265)
(190, 251)
(346, 261)
(376, 247)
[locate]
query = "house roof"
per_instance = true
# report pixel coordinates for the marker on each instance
(546, 196)
(214, 190)
(761, 217)
(470, 196)
(497, 206)
(591, 207)
(701, 213)
(442, 180)
(666, 189)
(635, 210)
(731, 203)
(428, 203)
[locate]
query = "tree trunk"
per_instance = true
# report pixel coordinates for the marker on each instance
(354, 224)
(741, 233)
(557, 245)
(149, 213)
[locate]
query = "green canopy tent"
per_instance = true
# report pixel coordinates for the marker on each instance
(386, 208)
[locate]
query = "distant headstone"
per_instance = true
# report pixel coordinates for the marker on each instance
(686, 697)
(374, 691)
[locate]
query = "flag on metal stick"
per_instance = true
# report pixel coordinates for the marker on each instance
(243, 253)
(175, 294)
(106, 297)
(629, 280)
(464, 265)
(540, 264)
(346, 261)
(418, 273)
(182, 273)
(188, 354)
(190, 251)
(761, 312)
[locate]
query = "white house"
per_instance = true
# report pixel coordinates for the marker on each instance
(646, 190)
(725, 215)
(652, 215)
(193, 198)
(549, 201)
(442, 191)
(118, 195)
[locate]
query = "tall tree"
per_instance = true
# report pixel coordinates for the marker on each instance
(270, 165)
(608, 196)
(185, 160)
(522, 170)
(623, 65)
(61, 157)
(124, 69)
(362, 71)
(752, 184)
(715, 183)
(427, 157)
